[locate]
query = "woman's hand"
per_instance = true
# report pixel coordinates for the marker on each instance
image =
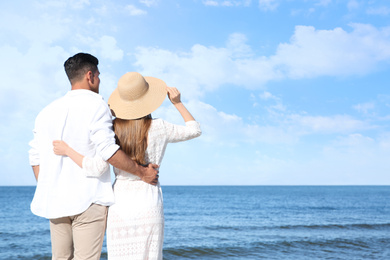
(173, 95)
(60, 147)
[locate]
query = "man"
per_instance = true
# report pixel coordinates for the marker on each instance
(76, 205)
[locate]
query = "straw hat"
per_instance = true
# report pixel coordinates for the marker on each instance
(137, 96)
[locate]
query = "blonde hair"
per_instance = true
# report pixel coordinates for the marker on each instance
(132, 136)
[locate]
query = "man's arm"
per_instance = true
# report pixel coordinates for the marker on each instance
(103, 137)
(36, 171)
(147, 174)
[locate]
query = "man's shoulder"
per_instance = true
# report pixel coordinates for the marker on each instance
(49, 111)
(93, 100)
(52, 105)
(82, 101)
(88, 103)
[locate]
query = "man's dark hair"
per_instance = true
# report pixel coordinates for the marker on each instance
(78, 65)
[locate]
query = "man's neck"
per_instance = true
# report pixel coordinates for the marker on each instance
(82, 85)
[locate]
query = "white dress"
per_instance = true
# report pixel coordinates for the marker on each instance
(135, 224)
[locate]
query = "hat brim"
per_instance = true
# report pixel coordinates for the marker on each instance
(142, 106)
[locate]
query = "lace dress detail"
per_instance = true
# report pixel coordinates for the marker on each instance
(135, 224)
(94, 167)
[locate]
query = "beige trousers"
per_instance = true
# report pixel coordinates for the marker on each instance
(79, 237)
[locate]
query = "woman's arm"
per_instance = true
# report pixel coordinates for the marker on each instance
(177, 133)
(92, 167)
(62, 148)
(174, 97)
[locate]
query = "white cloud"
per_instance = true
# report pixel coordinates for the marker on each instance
(227, 3)
(324, 2)
(109, 49)
(384, 10)
(282, 127)
(310, 53)
(267, 95)
(350, 160)
(353, 159)
(268, 134)
(353, 140)
(268, 5)
(207, 68)
(384, 141)
(134, 11)
(228, 130)
(74, 5)
(149, 3)
(46, 28)
(218, 127)
(210, 3)
(313, 53)
(102, 10)
(365, 108)
(276, 107)
(79, 4)
(236, 44)
(324, 124)
(104, 47)
(352, 5)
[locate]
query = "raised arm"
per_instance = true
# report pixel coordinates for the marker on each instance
(179, 133)
(174, 97)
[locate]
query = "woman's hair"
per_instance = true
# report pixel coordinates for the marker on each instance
(132, 136)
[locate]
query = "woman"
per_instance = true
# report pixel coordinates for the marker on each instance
(135, 224)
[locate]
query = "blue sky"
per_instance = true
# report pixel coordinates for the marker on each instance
(287, 92)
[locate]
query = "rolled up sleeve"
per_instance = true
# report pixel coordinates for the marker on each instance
(179, 133)
(33, 153)
(102, 134)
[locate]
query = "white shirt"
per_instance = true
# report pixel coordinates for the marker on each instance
(83, 120)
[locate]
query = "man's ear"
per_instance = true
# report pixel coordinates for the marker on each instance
(89, 76)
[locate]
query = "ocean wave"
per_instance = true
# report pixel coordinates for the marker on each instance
(221, 228)
(300, 227)
(12, 234)
(338, 248)
(373, 226)
(26, 257)
(207, 252)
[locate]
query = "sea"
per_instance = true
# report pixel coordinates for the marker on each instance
(236, 222)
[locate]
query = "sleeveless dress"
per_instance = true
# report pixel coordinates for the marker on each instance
(135, 223)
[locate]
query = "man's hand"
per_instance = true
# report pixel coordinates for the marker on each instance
(147, 174)
(36, 171)
(150, 174)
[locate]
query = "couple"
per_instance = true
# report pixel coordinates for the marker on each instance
(74, 190)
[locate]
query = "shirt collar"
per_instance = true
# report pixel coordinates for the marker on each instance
(78, 92)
